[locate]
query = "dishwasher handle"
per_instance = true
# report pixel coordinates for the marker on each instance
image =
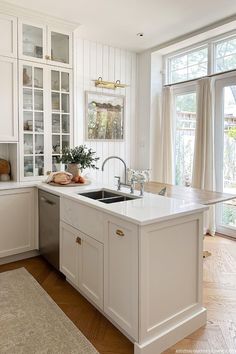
(45, 200)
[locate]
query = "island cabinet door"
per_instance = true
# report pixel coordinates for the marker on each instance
(81, 261)
(121, 274)
(91, 269)
(69, 252)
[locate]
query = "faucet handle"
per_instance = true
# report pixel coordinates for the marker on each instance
(132, 184)
(118, 182)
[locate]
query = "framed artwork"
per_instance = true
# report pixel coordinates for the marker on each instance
(104, 116)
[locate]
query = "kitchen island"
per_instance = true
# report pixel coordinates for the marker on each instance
(138, 261)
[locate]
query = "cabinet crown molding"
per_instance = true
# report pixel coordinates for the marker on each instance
(26, 14)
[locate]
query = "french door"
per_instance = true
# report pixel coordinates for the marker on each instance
(184, 133)
(225, 152)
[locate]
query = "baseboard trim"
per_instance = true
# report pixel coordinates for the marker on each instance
(164, 341)
(19, 257)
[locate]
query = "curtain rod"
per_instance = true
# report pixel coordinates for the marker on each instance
(199, 78)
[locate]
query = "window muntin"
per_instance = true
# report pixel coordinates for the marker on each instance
(188, 66)
(225, 55)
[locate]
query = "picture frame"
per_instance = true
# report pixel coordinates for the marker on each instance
(104, 116)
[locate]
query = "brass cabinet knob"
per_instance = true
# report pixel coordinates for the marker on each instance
(47, 57)
(78, 240)
(120, 232)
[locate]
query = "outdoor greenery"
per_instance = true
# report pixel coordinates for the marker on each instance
(232, 133)
(80, 155)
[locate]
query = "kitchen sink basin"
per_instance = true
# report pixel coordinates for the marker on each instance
(107, 197)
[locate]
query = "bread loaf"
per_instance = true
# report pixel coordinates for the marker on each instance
(62, 178)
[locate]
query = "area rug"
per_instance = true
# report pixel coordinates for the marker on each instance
(32, 323)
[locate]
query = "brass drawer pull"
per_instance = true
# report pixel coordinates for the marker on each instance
(120, 232)
(78, 240)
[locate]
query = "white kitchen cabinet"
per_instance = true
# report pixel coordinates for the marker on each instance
(45, 44)
(45, 115)
(8, 100)
(91, 269)
(17, 220)
(121, 274)
(69, 252)
(81, 261)
(8, 29)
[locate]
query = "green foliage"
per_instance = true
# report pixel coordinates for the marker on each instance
(81, 156)
(186, 103)
(232, 133)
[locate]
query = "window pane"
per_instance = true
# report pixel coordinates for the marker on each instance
(197, 57)
(197, 71)
(188, 66)
(229, 173)
(226, 63)
(225, 53)
(226, 48)
(185, 115)
(178, 62)
(179, 75)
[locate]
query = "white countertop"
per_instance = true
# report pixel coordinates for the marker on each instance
(143, 211)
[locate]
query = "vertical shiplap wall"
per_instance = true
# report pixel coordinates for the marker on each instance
(92, 60)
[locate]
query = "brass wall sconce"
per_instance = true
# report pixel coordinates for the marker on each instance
(108, 84)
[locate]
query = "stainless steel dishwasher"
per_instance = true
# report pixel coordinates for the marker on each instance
(49, 220)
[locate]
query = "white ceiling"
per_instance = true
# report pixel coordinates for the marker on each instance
(116, 22)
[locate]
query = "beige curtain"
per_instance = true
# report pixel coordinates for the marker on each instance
(203, 163)
(166, 163)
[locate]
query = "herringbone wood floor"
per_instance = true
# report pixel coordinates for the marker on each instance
(219, 298)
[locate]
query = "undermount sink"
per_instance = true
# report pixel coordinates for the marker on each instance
(107, 197)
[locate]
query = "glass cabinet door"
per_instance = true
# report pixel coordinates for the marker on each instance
(60, 113)
(33, 120)
(60, 47)
(32, 41)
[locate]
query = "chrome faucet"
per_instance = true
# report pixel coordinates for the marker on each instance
(119, 158)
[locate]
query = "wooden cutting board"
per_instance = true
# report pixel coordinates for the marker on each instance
(5, 167)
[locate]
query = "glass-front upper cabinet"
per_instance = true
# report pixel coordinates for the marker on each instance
(32, 113)
(45, 44)
(60, 44)
(60, 113)
(32, 41)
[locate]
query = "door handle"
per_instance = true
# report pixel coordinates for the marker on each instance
(47, 201)
(120, 232)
